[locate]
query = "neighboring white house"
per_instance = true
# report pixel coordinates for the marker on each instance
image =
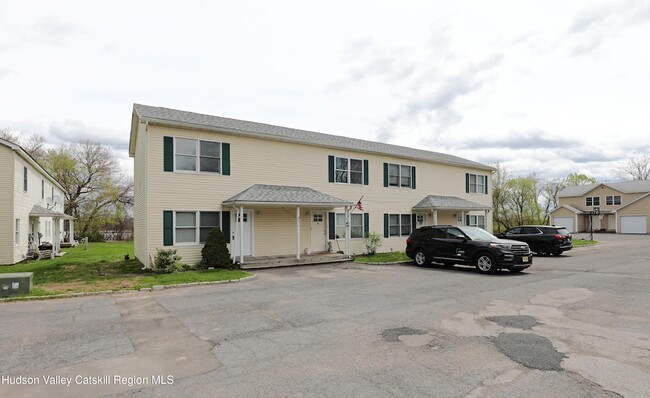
(31, 206)
(282, 191)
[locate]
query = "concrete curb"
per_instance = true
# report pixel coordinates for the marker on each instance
(145, 289)
(388, 263)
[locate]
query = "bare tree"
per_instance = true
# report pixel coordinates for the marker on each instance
(96, 191)
(33, 144)
(636, 167)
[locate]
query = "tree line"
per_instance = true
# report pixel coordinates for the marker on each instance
(97, 192)
(530, 200)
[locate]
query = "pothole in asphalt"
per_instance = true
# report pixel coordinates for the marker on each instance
(393, 335)
(530, 350)
(524, 322)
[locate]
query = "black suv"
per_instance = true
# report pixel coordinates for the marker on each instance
(451, 245)
(542, 239)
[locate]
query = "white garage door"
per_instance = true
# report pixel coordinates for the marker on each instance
(634, 225)
(566, 222)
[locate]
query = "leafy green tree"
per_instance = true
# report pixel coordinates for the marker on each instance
(579, 179)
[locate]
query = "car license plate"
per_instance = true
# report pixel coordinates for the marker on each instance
(524, 259)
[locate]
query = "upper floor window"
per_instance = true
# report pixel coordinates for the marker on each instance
(349, 171)
(592, 201)
(197, 155)
(398, 175)
(476, 183)
(613, 200)
(25, 179)
(192, 155)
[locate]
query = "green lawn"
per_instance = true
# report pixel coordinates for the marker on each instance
(390, 257)
(583, 242)
(102, 267)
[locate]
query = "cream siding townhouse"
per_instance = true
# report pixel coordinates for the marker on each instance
(31, 206)
(283, 191)
(622, 207)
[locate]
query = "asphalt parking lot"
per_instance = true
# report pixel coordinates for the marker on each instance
(577, 325)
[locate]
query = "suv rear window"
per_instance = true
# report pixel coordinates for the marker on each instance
(563, 231)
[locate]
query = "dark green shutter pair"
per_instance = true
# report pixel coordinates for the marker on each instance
(386, 176)
(168, 226)
(330, 171)
(168, 156)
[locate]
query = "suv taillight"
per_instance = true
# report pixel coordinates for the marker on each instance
(408, 241)
(559, 237)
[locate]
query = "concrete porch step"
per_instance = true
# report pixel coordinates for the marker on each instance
(288, 261)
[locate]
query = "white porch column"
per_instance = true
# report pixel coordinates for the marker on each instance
(462, 216)
(435, 217)
(347, 231)
(298, 233)
(71, 232)
(240, 220)
(485, 217)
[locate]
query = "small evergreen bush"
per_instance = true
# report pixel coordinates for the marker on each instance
(215, 252)
(167, 261)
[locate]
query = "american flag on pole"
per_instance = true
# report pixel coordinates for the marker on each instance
(359, 205)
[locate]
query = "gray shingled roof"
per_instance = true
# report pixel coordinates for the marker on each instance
(39, 211)
(437, 202)
(285, 195)
(637, 186)
(183, 119)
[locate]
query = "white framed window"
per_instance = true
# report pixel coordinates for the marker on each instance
(613, 200)
(400, 175)
(592, 201)
(192, 225)
(475, 221)
(399, 225)
(197, 155)
(356, 225)
(25, 184)
(17, 237)
(477, 183)
(348, 171)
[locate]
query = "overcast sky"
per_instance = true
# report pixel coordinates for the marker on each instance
(546, 87)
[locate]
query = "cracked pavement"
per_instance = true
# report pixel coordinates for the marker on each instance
(572, 326)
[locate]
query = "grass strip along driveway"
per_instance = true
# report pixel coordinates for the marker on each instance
(102, 267)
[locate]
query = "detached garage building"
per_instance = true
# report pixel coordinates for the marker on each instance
(622, 207)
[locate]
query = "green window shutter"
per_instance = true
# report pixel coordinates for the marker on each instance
(385, 174)
(331, 225)
(486, 185)
(330, 168)
(225, 225)
(365, 172)
(168, 228)
(168, 153)
(385, 225)
(466, 182)
(366, 224)
(413, 177)
(414, 222)
(225, 159)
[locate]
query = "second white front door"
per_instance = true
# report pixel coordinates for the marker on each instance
(318, 232)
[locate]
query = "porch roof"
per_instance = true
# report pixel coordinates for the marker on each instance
(281, 195)
(38, 211)
(438, 202)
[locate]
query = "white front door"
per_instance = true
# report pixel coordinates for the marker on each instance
(318, 232)
(235, 231)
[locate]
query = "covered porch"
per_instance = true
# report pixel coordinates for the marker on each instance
(275, 220)
(49, 230)
(450, 210)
